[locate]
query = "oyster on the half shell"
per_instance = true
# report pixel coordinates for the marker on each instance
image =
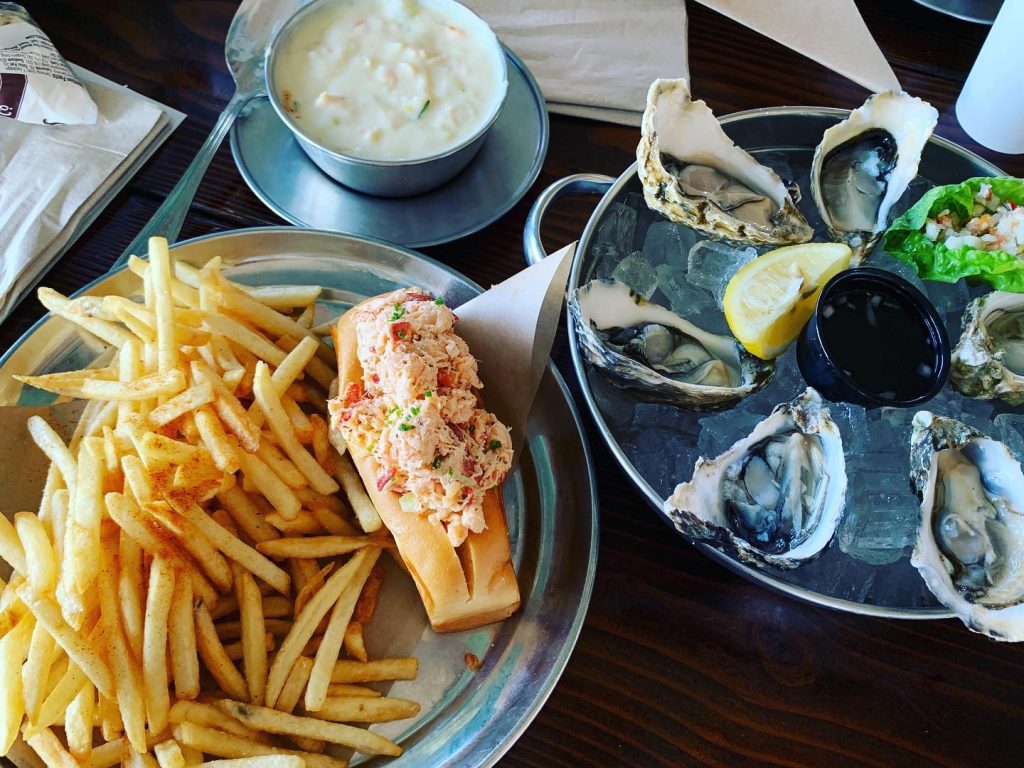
(693, 173)
(864, 164)
(988, 361)
(776, 496)
(649, 349)
(970, 541)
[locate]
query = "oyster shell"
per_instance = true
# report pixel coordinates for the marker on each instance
(970, 542)
(651, 350)
(776, 496)
(693, 173)
(988, 361)
(864, 164)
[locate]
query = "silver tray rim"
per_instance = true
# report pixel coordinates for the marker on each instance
(764, 578)
(483, 752)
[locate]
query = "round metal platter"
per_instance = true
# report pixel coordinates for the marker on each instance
(977, 11)
(468, 718)
(290, 184)
(866, 568)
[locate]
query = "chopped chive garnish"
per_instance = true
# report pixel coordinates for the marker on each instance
(423, 109)
(428, 393)
(406, 427)
(398, 314)
(494, 445)
(439, 300)
(415, 410)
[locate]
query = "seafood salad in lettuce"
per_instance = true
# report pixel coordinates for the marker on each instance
(971, 229)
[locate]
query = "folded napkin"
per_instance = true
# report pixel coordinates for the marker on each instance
(54, 180)
(593, 58)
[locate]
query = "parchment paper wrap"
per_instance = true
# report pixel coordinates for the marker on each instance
(510, 330)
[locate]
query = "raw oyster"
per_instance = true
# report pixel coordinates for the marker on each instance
(988, 361)
(651, 350)
(970, 542)
(864, 164)
(776, 496)
(693, 173)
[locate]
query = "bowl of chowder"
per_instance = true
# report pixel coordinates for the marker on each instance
(388, 97)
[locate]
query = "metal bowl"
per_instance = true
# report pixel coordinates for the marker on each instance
(385, 178)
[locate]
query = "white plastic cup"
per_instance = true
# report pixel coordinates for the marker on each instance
(991, 104)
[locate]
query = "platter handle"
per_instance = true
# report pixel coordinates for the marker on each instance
(577, 184)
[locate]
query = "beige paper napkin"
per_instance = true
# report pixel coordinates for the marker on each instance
(593, 58)
(55, 179)
(832, 32)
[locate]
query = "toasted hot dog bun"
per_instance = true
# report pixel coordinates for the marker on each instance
(461, 588)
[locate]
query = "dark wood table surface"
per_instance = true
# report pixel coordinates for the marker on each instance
(680, 662)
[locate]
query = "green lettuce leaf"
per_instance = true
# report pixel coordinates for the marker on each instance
(906, 240)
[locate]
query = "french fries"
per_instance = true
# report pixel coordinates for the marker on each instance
(194, 520)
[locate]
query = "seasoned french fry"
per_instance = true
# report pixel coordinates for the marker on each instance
(56, 451)
(211, 431)
(322, 444)
(271, 720)
(301, 424)
(364, 510)
(311, 587)
(362, 563)
(75, 646)
(249, 340)
(127, 677)
(84, 528)
(154, 649)
(254, 652)
(102, 329)
(51, 751)
(265, 761)
(354, 709)
(286, 373)
(353, 642)
(284, 296)
(243, 305)
(304, 522)
(11, 549)
(163, 384)
(41, 652)
(232, 546)
(38, 551)
(270, 402)
(196, 543)
(294, 685)
(59, 699)
(302, 570)
(205, 714)
(281, 497)
(211, 651)
(281, 465)
(316, 546)
(13, 650)
(373, 671)
(214, 742)
(160, 275)
(305, 318)
(182, 403)
(345, 689)
(150, 535)
(234, 650)
(232, 630)
(137, 478)
(156, 449)
(246, 515)
(169, 755)
(184, 652)
(306, 623)
(231, 412)
(78, 722)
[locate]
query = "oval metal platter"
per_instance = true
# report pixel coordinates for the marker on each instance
(468, 718)
(866, 568)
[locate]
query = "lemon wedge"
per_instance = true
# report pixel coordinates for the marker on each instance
(768, 301)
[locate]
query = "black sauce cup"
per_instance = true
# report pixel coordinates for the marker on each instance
(818, 366)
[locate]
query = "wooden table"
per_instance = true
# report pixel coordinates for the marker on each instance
(680, 661)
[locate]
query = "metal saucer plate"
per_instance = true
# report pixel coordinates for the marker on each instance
(290, 184)
(656, 445)
(977, 11)
(468, 718)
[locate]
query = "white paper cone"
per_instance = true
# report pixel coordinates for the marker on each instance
(991, 105)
